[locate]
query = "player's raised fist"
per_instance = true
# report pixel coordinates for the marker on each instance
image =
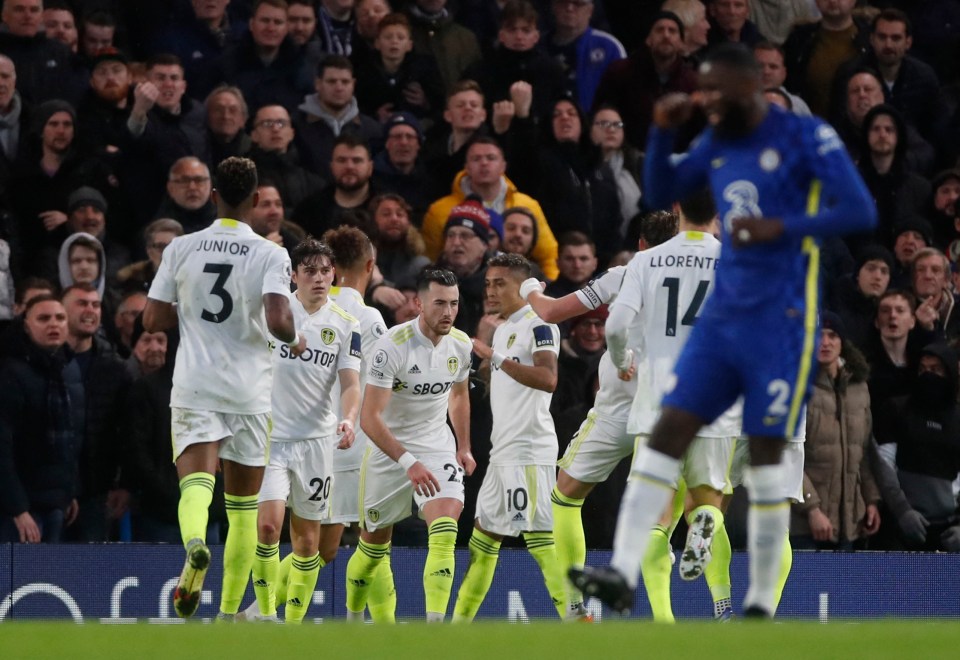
(672, 110)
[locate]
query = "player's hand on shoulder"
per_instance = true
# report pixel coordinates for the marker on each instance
(672, 110)
(482, 350)
(466, 461)
(347, 434)
(747, 231)
(424, 483)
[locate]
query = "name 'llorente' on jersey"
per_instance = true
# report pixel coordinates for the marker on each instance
(306, 402)
(372, 328)
(421, 376)
(523, 431)
(667, 286)
(218, 277)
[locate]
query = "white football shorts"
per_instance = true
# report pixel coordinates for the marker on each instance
(301, 474)
(244, 439)
(516, 498)
(705, 463)
(598, 446)
(792, 462)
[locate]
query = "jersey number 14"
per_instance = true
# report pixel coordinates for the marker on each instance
(673, 303)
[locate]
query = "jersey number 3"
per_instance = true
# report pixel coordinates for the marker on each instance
(673, 303)
(222, 272)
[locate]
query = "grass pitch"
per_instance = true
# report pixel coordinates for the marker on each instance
(488, 640)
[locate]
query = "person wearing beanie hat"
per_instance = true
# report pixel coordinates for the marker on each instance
(855, 296)
(910, 235)
(840, 495)
(400, 169)
(944, 210)
(916, 480)
(466, 246)
(86, 212)
(655, 68)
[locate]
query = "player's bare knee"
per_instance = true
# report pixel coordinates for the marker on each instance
(268, 531)
(570, 487)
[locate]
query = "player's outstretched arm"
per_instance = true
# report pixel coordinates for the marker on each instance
(548, 308)
(159, 316)
(458, 408)
(280, 322)
(667, 179)
(349, 406)
(375, 400)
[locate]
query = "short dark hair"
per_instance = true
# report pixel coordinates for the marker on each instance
(59, 5)
(395, 18)
(899, 293)
(486, 139)
(349, 245)
(236, 180)
(277, 4)
(163, 59)
(658, 227)
(515, 263)
(441, 276)
(90, 244)
(99, 17)
(516, 11)
(309, 251)
(699, 208)
(27, 283)
(83, 287)
(769, 45)
(465, 85)
(735, 56)
(334, 62)
(574, 238)
(36, 300)
(892, 15)
(353, 141)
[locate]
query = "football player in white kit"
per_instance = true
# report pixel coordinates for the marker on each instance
(602, 440)
(226, 287)
(310, 423)
(417, 376)
(665, 287)
(515, 496)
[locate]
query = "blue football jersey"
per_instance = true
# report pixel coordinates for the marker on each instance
(790, 167)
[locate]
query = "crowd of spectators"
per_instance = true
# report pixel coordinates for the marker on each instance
(449, 130)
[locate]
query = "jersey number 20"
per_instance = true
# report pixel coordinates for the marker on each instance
(222, 272)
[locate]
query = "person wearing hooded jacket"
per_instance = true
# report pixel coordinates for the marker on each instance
(41, 421)
(917, 470)
(840, 496)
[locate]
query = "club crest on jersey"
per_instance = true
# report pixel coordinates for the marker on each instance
(769, 160)
(373, 515)
(327, 335)
(380, 359)
(511, 339)
(453, 365)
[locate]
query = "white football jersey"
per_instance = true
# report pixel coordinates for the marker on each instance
(218, 277)
(523, 431)
(306, 388)
(666, 286)
(615, 396)
(372, 328)
(421, 376)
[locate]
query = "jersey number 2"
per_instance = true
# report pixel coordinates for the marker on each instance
(673, 303)
(222, 272)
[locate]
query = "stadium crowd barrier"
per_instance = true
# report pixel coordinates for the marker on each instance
(126, 583)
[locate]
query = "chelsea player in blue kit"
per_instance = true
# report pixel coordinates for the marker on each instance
(780, 182)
